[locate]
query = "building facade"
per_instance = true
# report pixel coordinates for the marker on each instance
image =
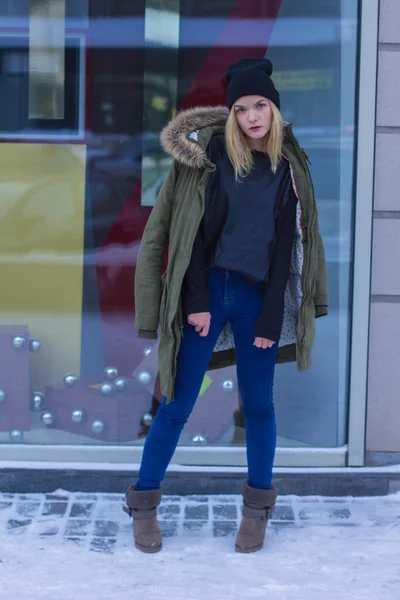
(86, 87)
(383, 409)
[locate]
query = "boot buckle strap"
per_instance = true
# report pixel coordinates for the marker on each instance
(137, 513)
(255, 513)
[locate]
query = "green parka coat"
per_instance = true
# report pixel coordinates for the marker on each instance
(174, 222)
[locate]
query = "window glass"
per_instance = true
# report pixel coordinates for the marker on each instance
(86, 89)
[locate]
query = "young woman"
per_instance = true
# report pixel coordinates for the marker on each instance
(246, 276)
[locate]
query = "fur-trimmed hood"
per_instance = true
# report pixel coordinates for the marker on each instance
(175, 137)
(180, 140)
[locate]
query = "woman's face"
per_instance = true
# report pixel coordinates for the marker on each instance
(254, 116)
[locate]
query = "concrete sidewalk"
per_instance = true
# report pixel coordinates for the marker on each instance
(63, 545)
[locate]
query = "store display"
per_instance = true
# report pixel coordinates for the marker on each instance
(111, 372)
(70, 380)
(99, 409)
(121, 384)
(107, 389)
(16, 436)
(14, 379)
(213, 412)
(35, 345)
(37, 401)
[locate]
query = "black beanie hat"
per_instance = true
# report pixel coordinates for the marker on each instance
(248, 77)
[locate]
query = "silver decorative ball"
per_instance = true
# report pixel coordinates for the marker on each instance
(16, 435)
(3, 396)
(38, 401)
(111, 372)
(18, 342)
(47, 418)
(147, 351)
(228, 385)
(107, 389)
(145, 377)
(121, 383)
(199, 439)
(70, 380)
(78, 415)
(34, 345)
(147, 419)
(98, 426)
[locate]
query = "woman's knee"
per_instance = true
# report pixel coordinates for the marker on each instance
(171, 415)
(262, 409)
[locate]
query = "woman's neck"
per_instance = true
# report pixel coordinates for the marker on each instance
(259, 145)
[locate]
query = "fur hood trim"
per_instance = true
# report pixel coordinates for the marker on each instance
(177, 137)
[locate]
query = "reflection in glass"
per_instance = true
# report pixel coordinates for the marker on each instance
(160, 90)
(73, 215)
(46, 59)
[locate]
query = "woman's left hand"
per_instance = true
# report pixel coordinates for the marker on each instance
(263, 343)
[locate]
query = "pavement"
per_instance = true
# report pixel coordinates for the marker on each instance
(62, 545)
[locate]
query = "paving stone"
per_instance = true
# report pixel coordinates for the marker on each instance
(196, 512)
(18, 531)
(168, 528)
(224, 528)
(57, 497)
(283, 513)
(281, 524)
(105, 528)
(106, 546)
(340, 513)
(169, 511)
(16, 523)
(305, 514)
(54, 508)
(27, 509)
(225, 512)
(76, 540)
(25, 497)
(110, 497)
(195, 525)
(81, 510)
(221, 499)
(86, 497)
(175, 498)
(195, 499)
(49, 530)
(76, 527)
(110, 512)
(279, 527)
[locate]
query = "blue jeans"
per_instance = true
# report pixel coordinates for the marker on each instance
(233, 299)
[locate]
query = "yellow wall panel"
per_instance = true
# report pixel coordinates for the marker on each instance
(42, 200)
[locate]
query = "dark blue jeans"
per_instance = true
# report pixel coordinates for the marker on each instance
(233, 299)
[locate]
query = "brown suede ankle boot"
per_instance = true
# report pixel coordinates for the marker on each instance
(257, 508)
(142, 507)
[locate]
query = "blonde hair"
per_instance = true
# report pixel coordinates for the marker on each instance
(239, 151)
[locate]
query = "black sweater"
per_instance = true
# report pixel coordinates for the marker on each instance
(260, 197)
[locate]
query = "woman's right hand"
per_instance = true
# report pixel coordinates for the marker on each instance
(201, 322)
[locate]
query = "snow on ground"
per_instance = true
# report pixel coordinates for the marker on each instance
(79, 546)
